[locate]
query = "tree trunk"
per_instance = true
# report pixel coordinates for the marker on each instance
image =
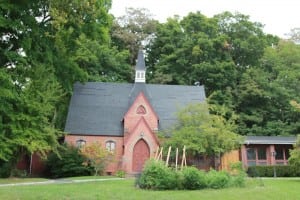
(30, 165)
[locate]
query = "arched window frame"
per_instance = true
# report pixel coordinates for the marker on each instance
(110, 145)
(80, 143)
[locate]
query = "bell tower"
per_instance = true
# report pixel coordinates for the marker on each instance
(140, 68)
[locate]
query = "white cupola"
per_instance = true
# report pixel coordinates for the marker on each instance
(140, 68)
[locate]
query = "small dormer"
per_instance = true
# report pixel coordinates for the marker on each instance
(140, 68)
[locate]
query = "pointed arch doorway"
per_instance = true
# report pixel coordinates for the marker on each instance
(141, 153)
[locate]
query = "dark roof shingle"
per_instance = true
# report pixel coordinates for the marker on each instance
(270, 140)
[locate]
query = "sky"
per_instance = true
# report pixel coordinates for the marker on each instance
(277, 16)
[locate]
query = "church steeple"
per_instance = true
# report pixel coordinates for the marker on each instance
(140, 68)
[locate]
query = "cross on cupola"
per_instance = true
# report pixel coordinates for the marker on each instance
(140, 68)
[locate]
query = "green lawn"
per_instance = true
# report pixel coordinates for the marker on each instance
(124, 189)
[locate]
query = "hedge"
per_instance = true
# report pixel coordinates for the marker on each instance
(157, 176)
(268, 171)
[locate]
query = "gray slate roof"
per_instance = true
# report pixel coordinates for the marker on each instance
(98, 108)
(270, 140)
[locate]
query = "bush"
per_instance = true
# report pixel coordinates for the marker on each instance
(120, 174)
(217, 180)
(193, 178)
(17, 173)
(70, 164)
(5, 169)
(97, 157)
(157, 176)
(268, 171)
(238, 175)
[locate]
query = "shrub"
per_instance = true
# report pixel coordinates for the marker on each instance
(193, 178)
(69, 164)
(268, 171)
(5, 169)
(157, 176)
(120, 174)
(238, 175)
(17, 173)
(217, 180)
(97, 157)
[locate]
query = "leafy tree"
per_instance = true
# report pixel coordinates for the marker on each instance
(82, 43)
(294, 159)
(294, 35)
(46, 46)
(213, 51)
(246, 40)
(8, 100)
(133, 30)
(179, 45)
(203, 133)
(97, 157)
(295, 104)
(168, 38)
(34, 129)
(264, 93)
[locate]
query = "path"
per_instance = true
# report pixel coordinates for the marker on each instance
(59, 181)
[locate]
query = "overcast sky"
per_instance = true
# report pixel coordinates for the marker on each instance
(278, 16)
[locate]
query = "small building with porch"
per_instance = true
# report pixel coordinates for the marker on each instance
(266, 150)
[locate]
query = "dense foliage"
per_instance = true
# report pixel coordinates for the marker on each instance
(193, 179)
(97, 157)
(68, 164)
(157, 176)
(133, 30)
(253, 74)
(46, 46)
(294, 159)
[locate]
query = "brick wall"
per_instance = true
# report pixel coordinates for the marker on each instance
(117, 163)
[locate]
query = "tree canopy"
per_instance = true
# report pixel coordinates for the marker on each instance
(45, 47)
(253, 74)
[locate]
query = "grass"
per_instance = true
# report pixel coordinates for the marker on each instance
(124, 189)
(89, 177)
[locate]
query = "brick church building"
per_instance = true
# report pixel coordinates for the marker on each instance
(125, 118)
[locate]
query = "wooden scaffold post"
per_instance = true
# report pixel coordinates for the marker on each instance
(159, 155)
(183, 161)
(168, 156)
(176, 161)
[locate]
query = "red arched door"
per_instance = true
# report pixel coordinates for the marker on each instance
(141, 153)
